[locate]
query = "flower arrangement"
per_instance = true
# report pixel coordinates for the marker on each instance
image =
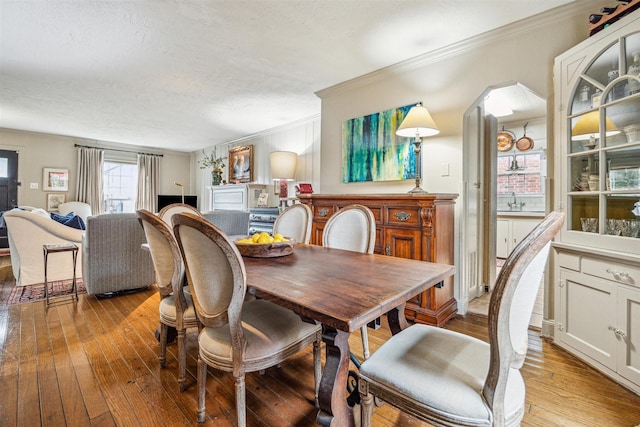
(214, 162)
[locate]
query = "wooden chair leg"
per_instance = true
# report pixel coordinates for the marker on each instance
(317, 367)
(365, 342)
(366, 406)
(163, 344)
(241, 401)
(182, 359)
(202, 382)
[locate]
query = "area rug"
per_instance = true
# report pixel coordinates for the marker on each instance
(33, 293)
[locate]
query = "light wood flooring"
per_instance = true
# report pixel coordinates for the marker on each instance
(95, 363)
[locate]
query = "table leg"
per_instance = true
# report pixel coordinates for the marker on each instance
(334, 410)
(396, 319)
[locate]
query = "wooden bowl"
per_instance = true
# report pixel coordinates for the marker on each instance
(266, 250)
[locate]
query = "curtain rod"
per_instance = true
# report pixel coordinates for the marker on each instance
(115, 149)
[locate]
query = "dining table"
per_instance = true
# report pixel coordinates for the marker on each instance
(343, 291)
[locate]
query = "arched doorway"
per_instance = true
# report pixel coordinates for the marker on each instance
(493, 191)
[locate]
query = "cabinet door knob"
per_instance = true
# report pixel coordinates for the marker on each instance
(618, 332)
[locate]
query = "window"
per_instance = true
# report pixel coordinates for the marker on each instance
(119, 183)
(521, 174)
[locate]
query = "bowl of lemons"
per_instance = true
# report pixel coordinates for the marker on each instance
(264, 245)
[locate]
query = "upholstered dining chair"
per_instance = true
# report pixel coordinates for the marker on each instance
(450, 379)
(295, 222)
(352, 228)
(237, 336)
(176, 307)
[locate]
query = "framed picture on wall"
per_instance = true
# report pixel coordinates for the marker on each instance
(54, 200)
(241, 164)
(55, 179)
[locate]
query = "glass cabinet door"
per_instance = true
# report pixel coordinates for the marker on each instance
(604, 143)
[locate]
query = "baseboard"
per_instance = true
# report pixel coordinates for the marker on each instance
(547, 328)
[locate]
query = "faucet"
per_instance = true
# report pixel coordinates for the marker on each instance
(515, 205)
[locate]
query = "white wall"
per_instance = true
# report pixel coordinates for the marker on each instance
(39, 150)
(302, 137)
(448, 82)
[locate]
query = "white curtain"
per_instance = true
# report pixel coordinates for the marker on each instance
(148, 182)
(89, 185)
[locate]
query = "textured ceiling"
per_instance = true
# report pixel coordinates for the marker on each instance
(186, 74)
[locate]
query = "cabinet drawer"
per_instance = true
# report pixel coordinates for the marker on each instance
(569, 261)
(322, 212)
(618, 272)
(403, 216)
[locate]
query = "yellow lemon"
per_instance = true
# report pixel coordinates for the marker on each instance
(279, 236)
(255, 237)
(265, 239)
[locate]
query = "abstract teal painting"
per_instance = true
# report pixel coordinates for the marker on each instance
(371, 150)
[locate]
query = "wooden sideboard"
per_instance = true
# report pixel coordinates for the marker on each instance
(416, 226)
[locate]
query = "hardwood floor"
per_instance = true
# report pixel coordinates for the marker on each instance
(95, 363)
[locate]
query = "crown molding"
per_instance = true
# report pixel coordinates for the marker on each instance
(557, 16)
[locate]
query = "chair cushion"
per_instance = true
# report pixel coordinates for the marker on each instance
(268, 329)
(168, 311)
(443, 370)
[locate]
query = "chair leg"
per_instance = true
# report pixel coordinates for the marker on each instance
(163, 344)
(366, 405)
(202, 382)
(182, 359)
(365, 342)
(317, 367)
(241, 402)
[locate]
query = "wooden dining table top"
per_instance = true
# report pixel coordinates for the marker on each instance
(341, 289)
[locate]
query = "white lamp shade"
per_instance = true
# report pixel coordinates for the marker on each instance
(588, 126)
(418, 123)
(283, 164)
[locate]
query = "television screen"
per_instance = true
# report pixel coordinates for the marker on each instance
(167, 199)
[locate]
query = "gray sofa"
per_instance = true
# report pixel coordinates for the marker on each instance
(113, 260)
(231, 222)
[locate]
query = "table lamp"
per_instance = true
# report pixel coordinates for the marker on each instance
(418, 123)
(587, 128)
(283, 169)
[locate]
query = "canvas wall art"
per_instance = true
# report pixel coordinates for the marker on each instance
(371, 150)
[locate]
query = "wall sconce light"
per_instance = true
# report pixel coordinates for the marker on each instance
(418, 123)
(283, 169)
(181, 189)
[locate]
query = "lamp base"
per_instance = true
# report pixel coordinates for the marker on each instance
(284, 188)
(418, 190)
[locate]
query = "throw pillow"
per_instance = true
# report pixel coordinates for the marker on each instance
(70, 220)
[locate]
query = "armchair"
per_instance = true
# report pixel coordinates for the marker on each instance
(27, 231)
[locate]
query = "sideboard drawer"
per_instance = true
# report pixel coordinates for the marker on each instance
(618, 272)
(404, 216)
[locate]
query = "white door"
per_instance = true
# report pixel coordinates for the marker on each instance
(472, 206)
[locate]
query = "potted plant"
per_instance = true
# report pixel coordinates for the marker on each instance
(214, 162)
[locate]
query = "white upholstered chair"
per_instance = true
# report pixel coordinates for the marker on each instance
(352, 228)
(295, 222)
(82, 209)
(176, 307)
(451, 379)
(238, 336)
(168, 211)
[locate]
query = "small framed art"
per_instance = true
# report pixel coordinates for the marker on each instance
(55, 179)
(54, 200)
